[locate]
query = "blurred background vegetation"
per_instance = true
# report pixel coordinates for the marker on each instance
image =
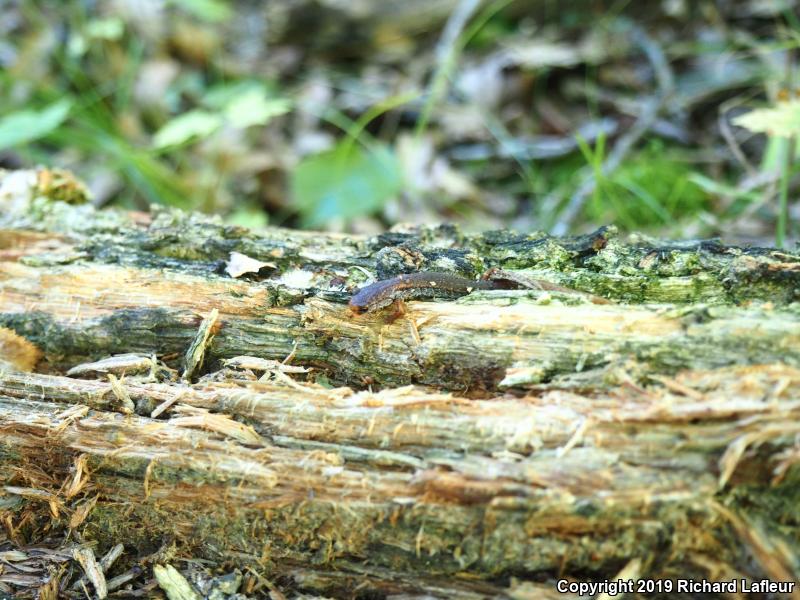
(679, 118)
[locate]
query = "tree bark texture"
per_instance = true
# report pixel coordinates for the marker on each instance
(483, 447)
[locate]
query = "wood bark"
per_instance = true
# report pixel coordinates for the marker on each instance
(483, 447)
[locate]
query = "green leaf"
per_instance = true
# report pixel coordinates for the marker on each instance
(111, 28)
(781, 120)
(254, 108)
(212, 11)
(25, 126)
(251, 217)
(193, 124)
(712, 186)
(221, 95)
(346, 182)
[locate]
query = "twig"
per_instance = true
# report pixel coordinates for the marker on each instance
(454, 26)
(657, 58)
(104, 564)
(86, 559)
(730, 139)
(445, 56)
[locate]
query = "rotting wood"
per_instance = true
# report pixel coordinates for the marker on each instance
(654, 437)
(420, 483)
(104, 283)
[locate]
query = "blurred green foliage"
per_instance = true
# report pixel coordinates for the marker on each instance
(240, 105)
(24, 126)
(651, 189)
(344, 183)
(781, 123)
(212, 11)
(300, 115)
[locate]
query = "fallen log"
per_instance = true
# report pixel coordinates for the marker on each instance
(489, 446)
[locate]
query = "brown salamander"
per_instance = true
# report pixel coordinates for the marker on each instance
(416, 285)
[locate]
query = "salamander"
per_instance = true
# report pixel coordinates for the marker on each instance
(416, 285)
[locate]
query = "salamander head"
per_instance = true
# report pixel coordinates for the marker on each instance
(356, 307)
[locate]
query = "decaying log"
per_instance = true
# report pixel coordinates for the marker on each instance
(654, 436)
